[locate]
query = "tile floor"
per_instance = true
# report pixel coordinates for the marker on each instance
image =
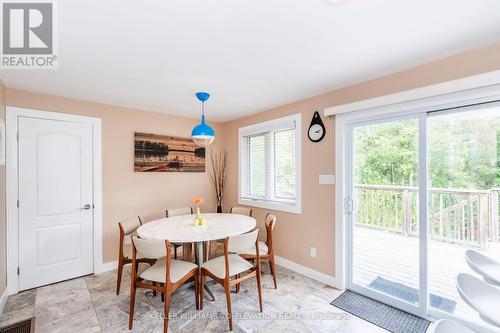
(89, 304)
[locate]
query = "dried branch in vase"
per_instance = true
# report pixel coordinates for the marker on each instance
(217, 172)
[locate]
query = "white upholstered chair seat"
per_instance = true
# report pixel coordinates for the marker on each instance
(263, 250)
(178, 269)
(217, 266)
(483, 265)
(480, 296)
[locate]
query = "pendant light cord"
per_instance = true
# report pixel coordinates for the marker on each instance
(203, 112)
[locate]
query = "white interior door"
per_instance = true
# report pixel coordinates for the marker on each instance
(55, 201)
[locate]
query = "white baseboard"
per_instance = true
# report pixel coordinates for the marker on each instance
(306, 271)
(3, 299)
(106, 266)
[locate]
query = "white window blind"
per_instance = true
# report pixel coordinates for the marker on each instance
(257, 165)
(268, 164)
(284, 164)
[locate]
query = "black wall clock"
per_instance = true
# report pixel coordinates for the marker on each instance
(317, 130)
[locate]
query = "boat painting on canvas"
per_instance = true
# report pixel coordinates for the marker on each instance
(162, 153)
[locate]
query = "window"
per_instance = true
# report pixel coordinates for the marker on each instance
(270, 164)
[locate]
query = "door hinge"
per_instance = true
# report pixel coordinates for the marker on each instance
(18, 203)
(17, 136)
(18, 271)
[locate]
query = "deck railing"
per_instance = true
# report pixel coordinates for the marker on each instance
(464, 216)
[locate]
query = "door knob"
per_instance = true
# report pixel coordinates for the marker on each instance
(87, 206)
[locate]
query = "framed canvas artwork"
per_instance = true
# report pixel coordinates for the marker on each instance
(162, 153)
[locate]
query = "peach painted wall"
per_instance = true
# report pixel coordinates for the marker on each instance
(125, 192)
(3, 252)
(295, 234)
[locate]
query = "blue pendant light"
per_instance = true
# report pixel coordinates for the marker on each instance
(202, 134)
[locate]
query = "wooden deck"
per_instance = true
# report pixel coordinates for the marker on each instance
(395, 257)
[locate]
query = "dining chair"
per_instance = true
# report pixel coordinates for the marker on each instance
(222, 269)
(241, 210)
(186, 248)
(214, 246)
(127, 229)
(266, 251)
(166, 275)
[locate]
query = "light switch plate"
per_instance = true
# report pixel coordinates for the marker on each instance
(327, 179)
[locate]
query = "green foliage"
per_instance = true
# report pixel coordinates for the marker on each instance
(463, 152)
(386, 154)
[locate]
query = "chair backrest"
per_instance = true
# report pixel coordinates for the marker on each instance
(130, 225)
(242, 242)
(270, 221)
(150, 249)
(241, 210)
(179, 211)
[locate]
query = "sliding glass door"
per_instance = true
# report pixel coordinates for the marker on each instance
(384, 228)
(464, 183)
(420, 191)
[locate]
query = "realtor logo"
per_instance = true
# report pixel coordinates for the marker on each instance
(28, 32)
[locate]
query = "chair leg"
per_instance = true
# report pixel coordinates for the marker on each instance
(154, 291)
(227, 286)
(212, 251)
(162, 297)
(175, 252)
(132, 304)
(166, 306)
(197, 291)
(272, 265)
(237, 285)
(186, 251)
(119, 278)
(202, 290)
(259, 289)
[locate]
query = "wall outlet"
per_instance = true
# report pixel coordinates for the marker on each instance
(313, 252)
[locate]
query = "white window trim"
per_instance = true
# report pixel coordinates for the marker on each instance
(283, 206)
(435, 96)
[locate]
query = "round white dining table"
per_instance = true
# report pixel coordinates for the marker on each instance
(181, 229)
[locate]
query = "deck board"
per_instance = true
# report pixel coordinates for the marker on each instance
(395, 257)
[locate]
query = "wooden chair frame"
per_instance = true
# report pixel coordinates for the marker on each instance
(227, 282)
(186, 248)
(123, 259)
(270, 252)
(166, 289)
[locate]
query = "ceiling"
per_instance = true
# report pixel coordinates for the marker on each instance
(251, 55)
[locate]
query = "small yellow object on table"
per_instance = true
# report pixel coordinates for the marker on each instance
(199, 220)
